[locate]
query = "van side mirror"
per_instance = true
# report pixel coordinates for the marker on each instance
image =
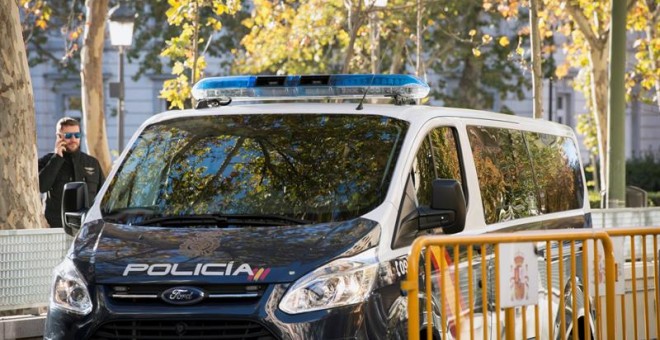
(448, 208)
(75, 202)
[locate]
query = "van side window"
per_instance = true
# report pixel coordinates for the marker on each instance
(557, 165)
(436, 158)
(445, 154)
(506, 178)
(423, 173)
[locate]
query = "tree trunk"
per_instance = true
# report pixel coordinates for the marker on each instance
(355, 20)
(91, 74)
(374, 35)
(470, 96)
(193, 76)
(20, 206)
(418, 42)
(398, 53)
(535, 37)
(598, 58)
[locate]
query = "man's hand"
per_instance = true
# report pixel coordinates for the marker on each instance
(60, 146)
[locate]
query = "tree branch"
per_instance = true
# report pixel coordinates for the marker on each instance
(438, 54)
(630, 5)
(583, 23)
(43, 51)
(654, 7)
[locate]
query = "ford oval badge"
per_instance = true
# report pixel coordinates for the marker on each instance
(183, 295)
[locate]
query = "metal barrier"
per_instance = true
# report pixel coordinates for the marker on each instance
(636, 252)
(471, 287)
(27, 259)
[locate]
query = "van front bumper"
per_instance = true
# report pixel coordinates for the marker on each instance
(260, 320)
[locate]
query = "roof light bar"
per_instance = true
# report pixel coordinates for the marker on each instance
(258, 88)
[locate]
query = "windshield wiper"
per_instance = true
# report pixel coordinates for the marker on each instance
(184, 220)
(269, 219)
(222, 220)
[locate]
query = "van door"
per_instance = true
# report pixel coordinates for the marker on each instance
(437, 157)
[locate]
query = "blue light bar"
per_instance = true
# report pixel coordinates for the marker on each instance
(258, 88)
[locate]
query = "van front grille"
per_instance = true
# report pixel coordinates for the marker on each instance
(183, 329)
(151, 294)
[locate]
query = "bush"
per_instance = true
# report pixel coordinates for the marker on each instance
(653, 199)
(644, 172)
(641, 171)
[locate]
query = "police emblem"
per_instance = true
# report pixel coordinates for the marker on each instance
(200, 245)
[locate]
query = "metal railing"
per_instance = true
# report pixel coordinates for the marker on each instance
(464, 282)
(636, 252)
(27, 259)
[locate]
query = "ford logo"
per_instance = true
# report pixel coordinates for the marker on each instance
(183, 295)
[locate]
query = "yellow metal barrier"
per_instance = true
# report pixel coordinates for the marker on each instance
(636, 251)
(458, 285)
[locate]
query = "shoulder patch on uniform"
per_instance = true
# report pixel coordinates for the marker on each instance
(89, 170)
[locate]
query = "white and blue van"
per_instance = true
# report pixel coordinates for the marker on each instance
(275, 211)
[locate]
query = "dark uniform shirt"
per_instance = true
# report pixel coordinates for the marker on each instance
(56, 171)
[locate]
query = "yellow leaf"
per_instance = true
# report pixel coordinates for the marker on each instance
(473, 32)
(177, 68)
(176, 103)
(504, 41)
(584, 61)
(486, 39)
(476, 52)
(219, 8)
(561, 71)
(41, 23)
(648, 83)
(171, 12)
(520, 51)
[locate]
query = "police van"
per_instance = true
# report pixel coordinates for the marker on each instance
(278, 210)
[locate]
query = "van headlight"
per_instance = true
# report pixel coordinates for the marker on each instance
(339, 283)
(69, 291)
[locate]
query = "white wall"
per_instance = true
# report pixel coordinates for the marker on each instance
(626, 217)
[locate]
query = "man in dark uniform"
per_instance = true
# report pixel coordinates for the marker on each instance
(66, 164)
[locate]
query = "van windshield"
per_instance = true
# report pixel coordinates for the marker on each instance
(295, 167)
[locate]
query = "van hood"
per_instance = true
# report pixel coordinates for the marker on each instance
(115, 253)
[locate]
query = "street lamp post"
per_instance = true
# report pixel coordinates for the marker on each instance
(121, 20)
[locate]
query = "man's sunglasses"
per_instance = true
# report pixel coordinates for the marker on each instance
(70, 135)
